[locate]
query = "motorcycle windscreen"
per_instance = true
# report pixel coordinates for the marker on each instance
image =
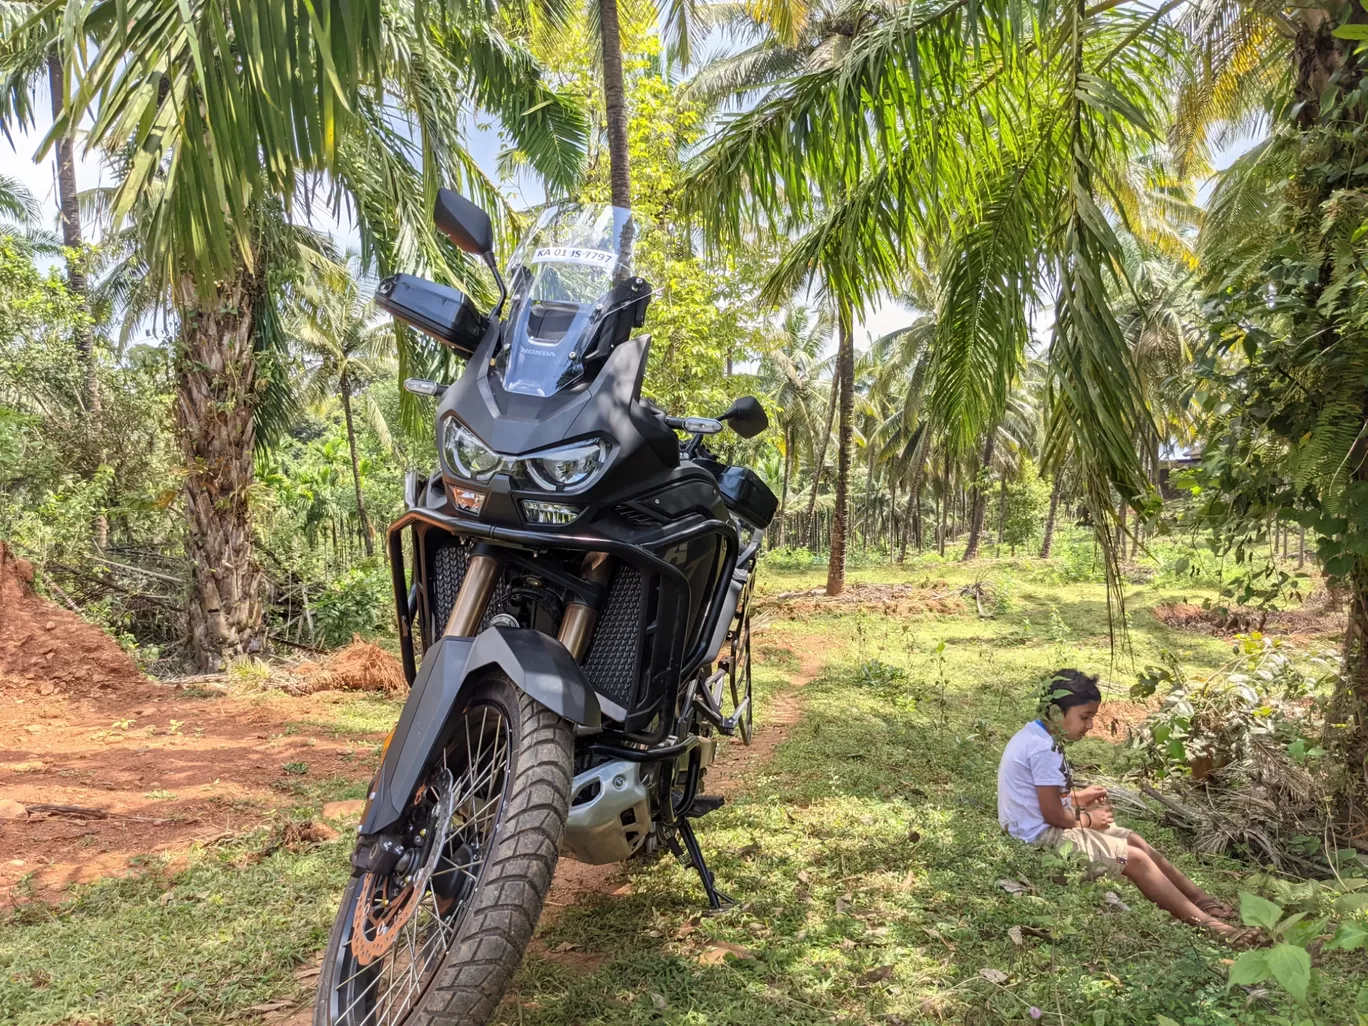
(562, 273)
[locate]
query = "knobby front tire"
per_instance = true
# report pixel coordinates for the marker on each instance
(455, 953)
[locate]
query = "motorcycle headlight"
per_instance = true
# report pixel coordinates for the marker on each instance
(470, 457)
(567, 466)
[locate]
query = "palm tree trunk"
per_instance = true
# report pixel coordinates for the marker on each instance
(367, 535)
(1002, 516)
(72, 240)
(980, 501)
(615, 105)
(869, 498)
(894, 532)
(777, 540)
(911, 529)
(820, 462)
(840, 520)
(216, 379)
(1050, 519)
(944, 509)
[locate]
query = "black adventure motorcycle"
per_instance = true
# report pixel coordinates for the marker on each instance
(578, 587)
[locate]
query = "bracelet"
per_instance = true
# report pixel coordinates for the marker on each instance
(1089, 815)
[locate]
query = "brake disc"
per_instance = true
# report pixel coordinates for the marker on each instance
(380, 917)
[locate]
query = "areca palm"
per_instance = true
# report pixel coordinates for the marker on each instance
(345, 344)
(222, 112)
(1006, 132)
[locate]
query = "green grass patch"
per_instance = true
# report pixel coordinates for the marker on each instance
(866, 853)
(197, 946)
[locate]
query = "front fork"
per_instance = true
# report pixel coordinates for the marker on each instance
(482, 574)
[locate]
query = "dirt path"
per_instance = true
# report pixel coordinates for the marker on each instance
(165, 771)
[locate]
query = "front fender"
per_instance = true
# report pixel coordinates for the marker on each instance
(536, 663)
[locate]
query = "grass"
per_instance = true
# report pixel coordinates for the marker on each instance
(866, 853)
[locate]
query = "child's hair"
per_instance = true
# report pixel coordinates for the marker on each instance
(1064, 689)
(1067, 688)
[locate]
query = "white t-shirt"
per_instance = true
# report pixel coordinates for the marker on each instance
(1029, 761)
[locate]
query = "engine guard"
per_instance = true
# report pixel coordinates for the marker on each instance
(536, 663)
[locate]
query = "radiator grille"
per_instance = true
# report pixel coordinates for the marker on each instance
(448, 571)
(614, 651)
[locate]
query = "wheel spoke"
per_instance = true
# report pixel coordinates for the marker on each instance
(469, 800)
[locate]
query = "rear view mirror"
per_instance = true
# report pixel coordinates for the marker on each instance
(746, 417)
(465, 224)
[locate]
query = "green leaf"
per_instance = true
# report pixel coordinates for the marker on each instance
(1249, 969)
(1351, 902)
(1164, 1020)
(1349, 937)
(1291, 967)
(1350, 32)
(1288, 923)
(1257, 911)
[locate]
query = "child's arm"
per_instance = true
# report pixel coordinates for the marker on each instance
(1053, 811)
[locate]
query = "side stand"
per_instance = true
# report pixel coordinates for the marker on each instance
(717, 901)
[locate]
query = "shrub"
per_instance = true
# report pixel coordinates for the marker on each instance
(1236, 752)
(788, 558)
(360, 601)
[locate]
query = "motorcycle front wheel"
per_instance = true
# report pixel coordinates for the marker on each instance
(437, 940)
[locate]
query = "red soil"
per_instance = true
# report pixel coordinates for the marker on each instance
(48, 649)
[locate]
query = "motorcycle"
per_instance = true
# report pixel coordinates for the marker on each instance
(576, 579)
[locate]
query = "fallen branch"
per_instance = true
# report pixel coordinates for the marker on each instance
(296, 644)
(106, 582)
(74, 811)
(60, 593)
(178, 582)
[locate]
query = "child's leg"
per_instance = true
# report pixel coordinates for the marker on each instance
(1142, 870)
(1175, 875)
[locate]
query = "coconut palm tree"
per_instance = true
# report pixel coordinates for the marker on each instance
(1010, 135)
(217, 148)
(30, 57)
(19, 218)
(682, 24)
(789, 376)
(344, 344)
(822, 39)
(31, 60)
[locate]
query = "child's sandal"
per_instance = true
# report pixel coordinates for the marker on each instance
(1216, 908)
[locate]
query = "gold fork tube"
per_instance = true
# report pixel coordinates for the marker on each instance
(577, 626)
(473, 598)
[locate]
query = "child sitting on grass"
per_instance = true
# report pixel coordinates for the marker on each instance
(1037, 804)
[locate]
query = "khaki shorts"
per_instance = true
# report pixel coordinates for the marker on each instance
(1106, 849)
